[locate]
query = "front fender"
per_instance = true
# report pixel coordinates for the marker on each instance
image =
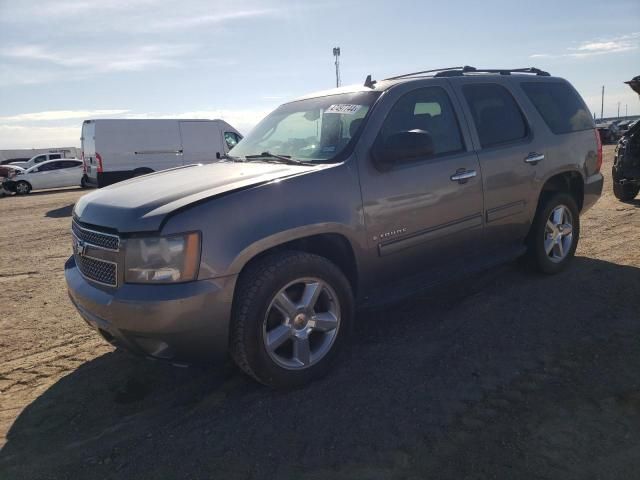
(239, 226)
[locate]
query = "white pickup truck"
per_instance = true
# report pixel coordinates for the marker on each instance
(42, 157)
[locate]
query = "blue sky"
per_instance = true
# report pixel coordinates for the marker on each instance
(63, 61)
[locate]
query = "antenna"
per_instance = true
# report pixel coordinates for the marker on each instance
(336, 54)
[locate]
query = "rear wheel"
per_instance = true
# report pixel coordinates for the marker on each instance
(554, 233)
(292, 314)
(22, 187)
(625, 192)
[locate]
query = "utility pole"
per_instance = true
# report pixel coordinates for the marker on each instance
(602, 105)
(336, 54)
(618, 110)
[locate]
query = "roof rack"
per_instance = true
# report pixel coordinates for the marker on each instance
(460, 71)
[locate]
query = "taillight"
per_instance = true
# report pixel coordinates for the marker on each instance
(99, 160)
(599, 143)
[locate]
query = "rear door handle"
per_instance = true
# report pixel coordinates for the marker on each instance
(533, 158)
(463, 175)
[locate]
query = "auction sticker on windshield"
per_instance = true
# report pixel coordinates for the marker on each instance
(344, 108)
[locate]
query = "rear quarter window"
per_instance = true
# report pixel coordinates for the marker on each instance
(560, 106)
(496, 114)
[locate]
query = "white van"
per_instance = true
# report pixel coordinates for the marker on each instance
(114, 150)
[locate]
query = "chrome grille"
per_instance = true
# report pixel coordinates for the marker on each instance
(99, 239)
(98, 270)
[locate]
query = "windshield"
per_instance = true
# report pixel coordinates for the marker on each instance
(316, 129)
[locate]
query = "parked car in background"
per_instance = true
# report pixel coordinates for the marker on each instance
(8, 171)
(607, 133)
(114, 150)
(50, 174)
(37, 159)
(352, 196)
(13, 160)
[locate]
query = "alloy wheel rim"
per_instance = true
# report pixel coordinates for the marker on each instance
(558, 234)
(301, 323)
(22, 188)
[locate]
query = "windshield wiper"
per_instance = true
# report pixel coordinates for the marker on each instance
(226, 156)
(266, 156)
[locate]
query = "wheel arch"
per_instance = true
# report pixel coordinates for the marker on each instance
(568, 181)
(332, 245)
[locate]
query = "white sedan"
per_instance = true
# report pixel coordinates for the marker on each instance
(51, 174)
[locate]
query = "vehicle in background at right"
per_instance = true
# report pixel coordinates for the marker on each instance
(626, 165)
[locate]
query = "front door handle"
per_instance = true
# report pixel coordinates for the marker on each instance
(463, 175)
(533, 158)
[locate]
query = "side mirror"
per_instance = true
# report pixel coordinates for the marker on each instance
(401, 146)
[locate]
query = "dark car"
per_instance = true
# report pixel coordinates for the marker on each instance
(341, 199)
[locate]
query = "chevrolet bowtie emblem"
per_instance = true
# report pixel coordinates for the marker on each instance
(80, 248)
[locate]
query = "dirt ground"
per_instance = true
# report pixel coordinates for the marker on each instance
(506, 374)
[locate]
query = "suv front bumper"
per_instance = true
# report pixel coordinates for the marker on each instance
(186, 322)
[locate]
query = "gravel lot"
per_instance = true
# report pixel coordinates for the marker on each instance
(507, 374)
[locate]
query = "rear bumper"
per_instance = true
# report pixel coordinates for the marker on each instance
(186, 322)
(592, 191)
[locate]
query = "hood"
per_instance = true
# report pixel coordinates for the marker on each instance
(141, 204)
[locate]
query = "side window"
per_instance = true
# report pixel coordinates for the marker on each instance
(39, 159)
(69, 164)
(231, 139)
(426, 109)
(496, 114)
(54, 156)
(560, 106)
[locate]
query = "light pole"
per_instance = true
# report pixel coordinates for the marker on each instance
(618, 110)
(602, 105)
(336, 53)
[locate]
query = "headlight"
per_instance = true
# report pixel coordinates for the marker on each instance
(168, 259)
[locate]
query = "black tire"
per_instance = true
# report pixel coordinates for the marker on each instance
(22, 187)
(536, 255)
(257, 287)
(625, 192)
(83, 182)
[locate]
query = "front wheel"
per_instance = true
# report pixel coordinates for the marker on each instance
(291, 317)
(554, 234)
(22, 187)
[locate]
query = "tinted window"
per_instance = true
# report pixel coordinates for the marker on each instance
(497, 117)
(69, 164)
(50, 166)
(559, 105)
(54, 156)
(426, 109)
(40, 158)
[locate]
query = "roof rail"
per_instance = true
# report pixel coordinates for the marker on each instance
(459, 71)
(425, 71)
(501, 71)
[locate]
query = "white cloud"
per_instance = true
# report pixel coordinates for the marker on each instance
(19, 136)
(53, 115)
(205, 19)
(621, 43)
(131, 59)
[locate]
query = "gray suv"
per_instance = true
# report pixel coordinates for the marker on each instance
(350, 197)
